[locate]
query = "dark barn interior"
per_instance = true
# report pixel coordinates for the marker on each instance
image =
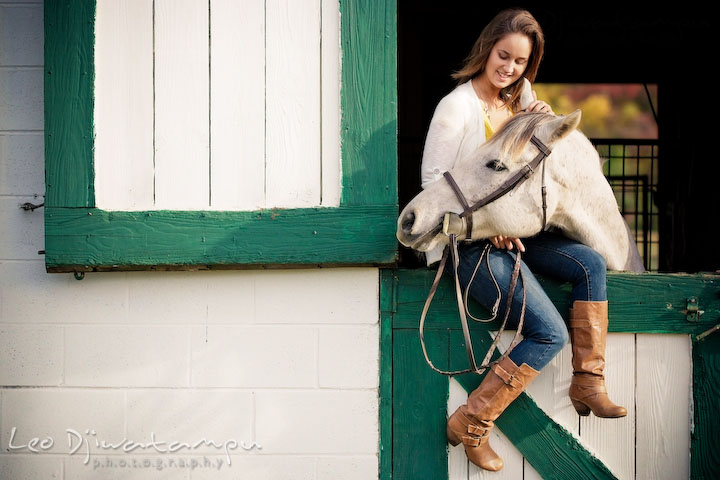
(670, 47)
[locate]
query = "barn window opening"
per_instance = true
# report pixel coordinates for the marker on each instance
(621, 121)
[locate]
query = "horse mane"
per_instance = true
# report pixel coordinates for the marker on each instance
(517, 131)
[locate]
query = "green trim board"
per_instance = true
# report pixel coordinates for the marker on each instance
(645, 303)
(639, 303)
(69, 103)
(361, 231)
(386, 369)
(175, 240)
(705, 438)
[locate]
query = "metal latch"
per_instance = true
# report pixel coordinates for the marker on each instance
(692, 310)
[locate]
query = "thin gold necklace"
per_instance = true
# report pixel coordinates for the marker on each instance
(484, 103)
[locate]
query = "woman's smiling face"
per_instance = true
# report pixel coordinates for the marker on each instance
(508, 60)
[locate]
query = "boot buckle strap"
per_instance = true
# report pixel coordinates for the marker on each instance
(507, 377)
(470, 441)
(477, 430)
(588, 380)
(580, 323)
(594, 390)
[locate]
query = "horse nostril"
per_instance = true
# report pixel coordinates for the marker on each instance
(408, 222)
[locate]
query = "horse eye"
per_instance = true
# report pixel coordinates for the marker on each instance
(496, 165)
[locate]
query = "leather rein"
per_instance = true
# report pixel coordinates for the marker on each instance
(451, 250)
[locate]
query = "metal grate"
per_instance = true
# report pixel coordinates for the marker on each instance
(631, 167)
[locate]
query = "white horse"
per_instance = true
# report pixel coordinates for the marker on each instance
(580, 202)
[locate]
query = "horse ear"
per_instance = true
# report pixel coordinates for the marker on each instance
(560, 127)
(526, 97)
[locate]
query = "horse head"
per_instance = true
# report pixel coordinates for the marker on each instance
(580, 201)
(518, 213)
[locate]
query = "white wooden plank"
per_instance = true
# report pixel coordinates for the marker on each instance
(613, 439)
(181, 105)
(123, 105)
(331, 166)
(237, 104)
(664, 373)
(458, 465)
(457, 460)
(293, 103)
(550, 391)
(512, 457)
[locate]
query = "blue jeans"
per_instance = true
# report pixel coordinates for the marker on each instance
(551, 255)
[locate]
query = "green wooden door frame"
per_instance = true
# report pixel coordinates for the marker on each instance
(412, 443)
(361, 231)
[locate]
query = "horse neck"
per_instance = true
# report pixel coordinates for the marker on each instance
(587, 209)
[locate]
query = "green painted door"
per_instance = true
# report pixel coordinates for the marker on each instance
(414, 398)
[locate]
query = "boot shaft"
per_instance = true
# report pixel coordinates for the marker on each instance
(588, 334)
(502, 384)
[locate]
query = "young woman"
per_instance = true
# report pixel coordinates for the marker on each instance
(509, 48)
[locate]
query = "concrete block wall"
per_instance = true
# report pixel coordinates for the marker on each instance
(285, 359)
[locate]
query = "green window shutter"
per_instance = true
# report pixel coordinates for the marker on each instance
(360, 231)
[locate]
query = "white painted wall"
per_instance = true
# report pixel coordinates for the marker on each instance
(217, 104)
(288, 359)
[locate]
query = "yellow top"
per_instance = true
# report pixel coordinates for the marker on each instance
(489, 130)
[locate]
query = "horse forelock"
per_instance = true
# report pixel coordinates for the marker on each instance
(516, 133)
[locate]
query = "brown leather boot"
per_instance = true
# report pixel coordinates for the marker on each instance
(471, 423)
(588, 334)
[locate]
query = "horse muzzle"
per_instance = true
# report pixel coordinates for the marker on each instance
(451, 223)
(407, 231)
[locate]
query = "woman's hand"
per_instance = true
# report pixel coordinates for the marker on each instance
(538, 105)
(501, 241)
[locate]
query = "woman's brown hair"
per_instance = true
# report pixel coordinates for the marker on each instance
(505, 22)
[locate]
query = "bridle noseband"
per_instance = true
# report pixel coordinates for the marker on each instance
(516, 179)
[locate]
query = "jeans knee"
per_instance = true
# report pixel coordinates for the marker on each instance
(557, 339)
(563, 337)
(551, 331)
(594, 264)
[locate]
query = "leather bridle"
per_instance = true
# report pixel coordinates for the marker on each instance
(515, 180)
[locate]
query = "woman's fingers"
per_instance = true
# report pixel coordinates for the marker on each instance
(538, 105)
(502, 242)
